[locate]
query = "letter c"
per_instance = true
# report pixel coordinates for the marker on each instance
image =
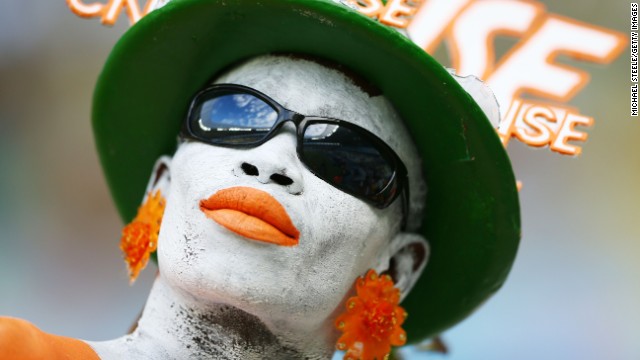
(85, 10)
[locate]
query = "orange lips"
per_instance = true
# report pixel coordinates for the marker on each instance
(251, 213)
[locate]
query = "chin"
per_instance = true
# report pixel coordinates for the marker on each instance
(273, 303)
(254, 278)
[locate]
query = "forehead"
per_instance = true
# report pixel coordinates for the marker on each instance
(310, 88)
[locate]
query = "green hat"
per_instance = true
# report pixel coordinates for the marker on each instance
(472, 219)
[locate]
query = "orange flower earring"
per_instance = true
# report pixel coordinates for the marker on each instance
(140, 236)
(372, 321)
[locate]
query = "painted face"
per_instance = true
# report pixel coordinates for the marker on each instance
(341, 236)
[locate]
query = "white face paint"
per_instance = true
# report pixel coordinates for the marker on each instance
(341, 237)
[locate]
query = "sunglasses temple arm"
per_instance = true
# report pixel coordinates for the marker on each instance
(405, 205)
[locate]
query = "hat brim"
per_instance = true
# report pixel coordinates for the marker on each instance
(472, 214)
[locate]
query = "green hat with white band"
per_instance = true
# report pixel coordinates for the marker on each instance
(471, 220)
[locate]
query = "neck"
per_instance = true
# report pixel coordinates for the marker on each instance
(174, 326)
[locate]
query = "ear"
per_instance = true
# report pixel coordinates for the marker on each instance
(160, 177)
(409, 253)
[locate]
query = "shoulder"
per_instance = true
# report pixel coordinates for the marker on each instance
(17, 337)
(20, 339)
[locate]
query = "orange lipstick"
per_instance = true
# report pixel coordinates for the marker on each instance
(253, 214)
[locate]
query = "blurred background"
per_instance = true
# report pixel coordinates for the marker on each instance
(574, 291)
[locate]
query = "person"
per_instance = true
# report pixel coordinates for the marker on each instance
(292, 215)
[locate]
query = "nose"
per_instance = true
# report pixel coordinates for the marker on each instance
(277, 178)
(275, 162)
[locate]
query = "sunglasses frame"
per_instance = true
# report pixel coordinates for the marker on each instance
(397, 185)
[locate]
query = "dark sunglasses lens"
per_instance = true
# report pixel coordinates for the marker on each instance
(348, 160)
(232, 118)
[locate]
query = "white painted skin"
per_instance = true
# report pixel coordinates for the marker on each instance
(222, 296)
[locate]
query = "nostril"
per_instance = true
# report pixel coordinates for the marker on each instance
(249, 169)
(281, 179)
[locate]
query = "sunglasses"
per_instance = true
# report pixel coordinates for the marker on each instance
(344, 155)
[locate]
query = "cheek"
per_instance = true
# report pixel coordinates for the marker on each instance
(343, 238)
(194, 170)
(176, 249)
(197, 167)
(345, 234)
